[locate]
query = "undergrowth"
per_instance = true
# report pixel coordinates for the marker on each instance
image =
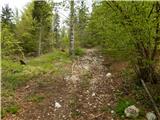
(15, 75)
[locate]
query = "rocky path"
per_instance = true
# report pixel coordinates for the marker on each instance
(86, 91)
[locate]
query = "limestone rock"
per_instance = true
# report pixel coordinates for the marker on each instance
(150, 116)
(57, 105)
(108, 75)
(131, 111)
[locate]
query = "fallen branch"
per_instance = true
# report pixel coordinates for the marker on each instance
(97, 116)
(73, 65)
(151, 98)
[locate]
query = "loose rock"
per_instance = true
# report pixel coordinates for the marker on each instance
(112, 111)
(108, 75)
(93, 94)
(131, 111)
(150, 116)
(57, 105)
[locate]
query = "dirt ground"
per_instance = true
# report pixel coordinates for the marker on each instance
(85, 92)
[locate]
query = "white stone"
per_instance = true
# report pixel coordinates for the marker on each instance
(150, 116)
(131, 111)
(57, 105)
(109, 104)
(93, 94)
(108, 75)
(112, 111)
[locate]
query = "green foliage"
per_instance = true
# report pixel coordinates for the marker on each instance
(35, 98)
(128, 74)
(7, 16)
(43, 16)
(79, 51)
(12, 108)
(157, 98)
(64, 39)
(26, 31)
(46, 62)
(81, 21)
(57, 28)
(15, 75)
(9, 44)
(121, 105)
(128, 29)
(28, 28)
(10, 74)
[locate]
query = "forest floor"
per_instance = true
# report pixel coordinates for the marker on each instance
(87, 89)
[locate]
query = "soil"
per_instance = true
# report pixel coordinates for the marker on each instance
(85, 92)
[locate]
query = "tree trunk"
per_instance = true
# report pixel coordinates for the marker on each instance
(71, 50)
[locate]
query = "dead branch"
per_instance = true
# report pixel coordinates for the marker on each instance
(73, 65)
(151, 98)
(97, 116)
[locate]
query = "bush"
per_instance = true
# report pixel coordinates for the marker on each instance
(79, 52)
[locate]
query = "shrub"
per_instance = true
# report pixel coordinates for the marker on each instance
(79, 52)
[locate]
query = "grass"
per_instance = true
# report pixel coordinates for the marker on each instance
(15, 75)
(35, 98)
(121, 105)
(79, 52)
(48, 61)
(11, 108)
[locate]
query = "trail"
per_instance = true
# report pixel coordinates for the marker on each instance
(84, 92)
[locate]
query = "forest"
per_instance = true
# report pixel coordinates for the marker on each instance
(100, 61)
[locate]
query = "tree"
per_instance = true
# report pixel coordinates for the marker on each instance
(130, 28)
(9, 43)
(71, 49)
(81, 23)
(42, 14)
(26, 31)
(7, 16)
(56, 27)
